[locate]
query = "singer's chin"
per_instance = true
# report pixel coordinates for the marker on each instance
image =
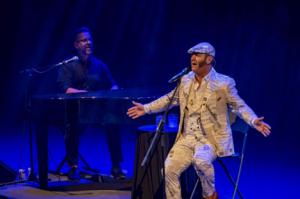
(88, 51)
(194, 67)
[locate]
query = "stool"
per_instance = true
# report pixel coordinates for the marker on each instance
(150, 185)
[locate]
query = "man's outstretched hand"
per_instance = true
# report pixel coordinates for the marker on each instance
(136, 111)
(262, 127)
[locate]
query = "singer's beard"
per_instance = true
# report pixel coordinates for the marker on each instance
(85, 53)
(198, 66)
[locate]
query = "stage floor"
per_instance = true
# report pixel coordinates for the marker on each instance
(24, 191)
(263, 176)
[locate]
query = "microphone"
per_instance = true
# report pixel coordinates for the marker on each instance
(179, 75)
(75, 58)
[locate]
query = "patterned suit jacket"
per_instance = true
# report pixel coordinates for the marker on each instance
(219, 99)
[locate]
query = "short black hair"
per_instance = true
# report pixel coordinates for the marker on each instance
(81, 30)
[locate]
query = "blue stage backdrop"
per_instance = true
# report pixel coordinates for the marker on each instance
(145, 42)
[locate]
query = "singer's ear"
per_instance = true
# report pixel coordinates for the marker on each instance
(209, 59)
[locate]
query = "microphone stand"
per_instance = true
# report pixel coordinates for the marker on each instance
(28, 115)
(28, 111)
(150, 152)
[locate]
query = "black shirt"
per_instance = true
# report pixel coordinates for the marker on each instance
(91, 76)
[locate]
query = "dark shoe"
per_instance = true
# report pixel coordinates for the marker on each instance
(213, 196)
(118, 174)
(74, 174)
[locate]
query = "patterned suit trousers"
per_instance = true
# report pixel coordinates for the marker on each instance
(188, 150)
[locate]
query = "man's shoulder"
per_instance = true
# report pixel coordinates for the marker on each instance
(97, 61)
(223, 79)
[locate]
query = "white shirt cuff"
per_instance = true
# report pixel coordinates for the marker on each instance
(147, 109)
(252, 122)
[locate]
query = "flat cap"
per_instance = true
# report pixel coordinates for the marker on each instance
(203, 47)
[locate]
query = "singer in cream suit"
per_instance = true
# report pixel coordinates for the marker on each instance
(205, 98)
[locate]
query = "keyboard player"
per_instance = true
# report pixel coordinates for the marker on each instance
(83, 75)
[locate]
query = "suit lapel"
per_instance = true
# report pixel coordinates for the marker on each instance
(187, 82)
(210, 87)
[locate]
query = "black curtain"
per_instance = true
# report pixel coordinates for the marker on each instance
(144, 42)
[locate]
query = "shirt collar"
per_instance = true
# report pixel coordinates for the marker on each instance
(208, 76)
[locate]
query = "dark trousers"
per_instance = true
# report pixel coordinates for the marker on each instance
(73, 130)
